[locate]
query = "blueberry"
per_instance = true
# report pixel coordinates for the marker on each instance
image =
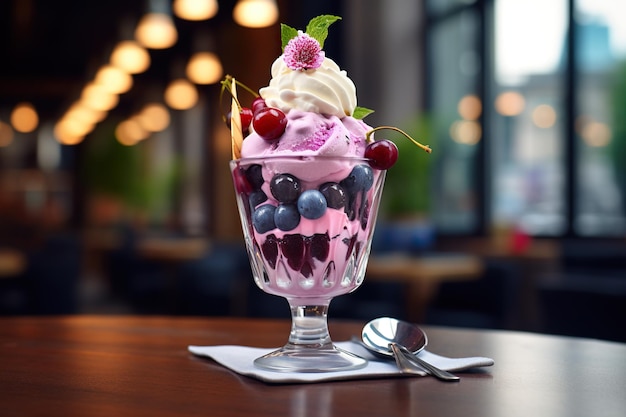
(286, 217)
(263, 218)
(254, 174)
(285, 188)
(334, 194)
(361, 178)
(312, 204)
(256, 198)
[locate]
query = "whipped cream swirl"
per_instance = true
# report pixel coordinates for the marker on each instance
(325, 90)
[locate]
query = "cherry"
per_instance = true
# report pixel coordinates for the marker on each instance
(382, 154)
(246, 116)
(258, 104)
(242, 185)
(269, 123)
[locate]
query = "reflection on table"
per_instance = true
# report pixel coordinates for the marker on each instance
(422, 275)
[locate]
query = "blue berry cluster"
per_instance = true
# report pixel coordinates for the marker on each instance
(295, 203)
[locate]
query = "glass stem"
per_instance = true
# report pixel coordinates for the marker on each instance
(309, 326)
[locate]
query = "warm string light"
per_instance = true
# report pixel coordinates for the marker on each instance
(156, 31)
(195, 9)
(24, 118)
(131, 57)
(129, 132)
(204, 68)
(113, 79)
(181, 94)
(153, 117)
(96, 97)
(256, 13)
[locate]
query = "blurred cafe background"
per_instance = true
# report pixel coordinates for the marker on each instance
(116, 198)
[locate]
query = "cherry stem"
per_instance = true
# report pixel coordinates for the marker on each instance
(368, 135)
(227, 85)
(227, 82)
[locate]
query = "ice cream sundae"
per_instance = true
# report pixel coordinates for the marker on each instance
(308, 176)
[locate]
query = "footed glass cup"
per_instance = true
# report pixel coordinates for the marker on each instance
(308, 224)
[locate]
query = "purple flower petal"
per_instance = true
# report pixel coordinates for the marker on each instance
(303, 52)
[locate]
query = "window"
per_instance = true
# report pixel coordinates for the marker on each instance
(456, 129)
(528, 100)
(600, 117)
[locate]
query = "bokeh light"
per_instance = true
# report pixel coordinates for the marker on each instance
(544, 116)
(470, 107)
(181, 94)
(510, 103)
(204, 68)
(195, 9)
(156, 31)
(24, 118)
(131, 57)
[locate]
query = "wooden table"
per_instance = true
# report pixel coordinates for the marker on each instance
(422, 275)
(139, 366)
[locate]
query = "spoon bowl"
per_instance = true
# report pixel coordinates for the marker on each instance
(386, 336)
(380, 332)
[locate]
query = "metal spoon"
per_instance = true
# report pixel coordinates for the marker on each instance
(391, 337)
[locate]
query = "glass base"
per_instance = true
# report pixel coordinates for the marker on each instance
(328, 358)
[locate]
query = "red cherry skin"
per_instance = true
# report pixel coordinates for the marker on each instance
(242, 185)
(258, 104)
(269, 123)
(382, 154)
(246, 118)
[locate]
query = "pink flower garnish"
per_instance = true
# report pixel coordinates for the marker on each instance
(303, 52)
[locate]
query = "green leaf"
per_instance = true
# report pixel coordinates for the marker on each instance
(287, 33)
(361, 112)
(318, 27)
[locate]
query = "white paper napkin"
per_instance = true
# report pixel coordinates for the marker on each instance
(240, 359)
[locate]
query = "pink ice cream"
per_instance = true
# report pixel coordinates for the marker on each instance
(310, 133)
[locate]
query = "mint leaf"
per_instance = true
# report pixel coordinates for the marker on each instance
(287, 33)
(318, 27)
(361, 112)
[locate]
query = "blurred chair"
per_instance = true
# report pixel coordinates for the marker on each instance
(52, 276)
(215, 284)
(489, 302)
(13, 296)
(587, 297)
(372, 299)
(585, 306)
(586, 256)
(142, 284)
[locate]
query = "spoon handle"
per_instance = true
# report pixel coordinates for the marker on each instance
(404, 357)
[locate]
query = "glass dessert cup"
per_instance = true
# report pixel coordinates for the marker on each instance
(306, 248)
